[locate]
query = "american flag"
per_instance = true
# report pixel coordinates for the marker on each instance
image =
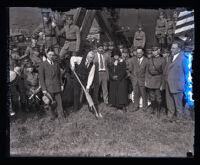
(185, 26)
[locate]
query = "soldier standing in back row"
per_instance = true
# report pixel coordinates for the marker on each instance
(72, 42)
(139, 38)
(170, 31)
(47, 29)
(161, 30)
(153, 79)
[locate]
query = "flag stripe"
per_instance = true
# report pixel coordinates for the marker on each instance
(186, 16)
(189, 19)
(185, 24)
(185, 28)
(183, 13)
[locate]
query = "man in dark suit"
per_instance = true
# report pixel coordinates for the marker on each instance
(85, 70)
(153, 79)
(50, 81)
(138, 69)
(174, 73)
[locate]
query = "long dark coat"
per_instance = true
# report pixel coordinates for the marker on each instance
(118, 92)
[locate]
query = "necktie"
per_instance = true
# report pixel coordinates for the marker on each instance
(139, 61)
(101, 61)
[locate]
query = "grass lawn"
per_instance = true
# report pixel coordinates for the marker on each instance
(118, 133)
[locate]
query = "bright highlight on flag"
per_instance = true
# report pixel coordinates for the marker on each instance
(188, 91)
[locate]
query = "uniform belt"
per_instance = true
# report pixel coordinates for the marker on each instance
(102, 71)
(50, 36)
(70, 39)
(161, 26)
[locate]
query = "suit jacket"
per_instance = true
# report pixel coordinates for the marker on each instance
(138, 71)
(174, 74)
(107, 60)
(50, 77)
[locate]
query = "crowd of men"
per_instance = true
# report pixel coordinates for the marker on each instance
(45, 77)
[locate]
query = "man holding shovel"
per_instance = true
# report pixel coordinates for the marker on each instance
(84, 70)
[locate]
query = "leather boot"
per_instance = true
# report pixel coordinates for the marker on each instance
(158, 109)
(153, 107)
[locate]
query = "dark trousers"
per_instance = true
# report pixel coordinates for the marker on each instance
(155, 95)
(174, 101)
(140, 90)
(59, 108)
(77, 90)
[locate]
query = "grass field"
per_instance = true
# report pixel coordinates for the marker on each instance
(129, 134)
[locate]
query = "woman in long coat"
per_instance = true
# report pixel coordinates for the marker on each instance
(118, 92)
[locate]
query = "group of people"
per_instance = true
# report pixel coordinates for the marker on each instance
(46, 74)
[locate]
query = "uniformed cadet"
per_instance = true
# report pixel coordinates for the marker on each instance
(72, 40)
(153, 79)
(170, 31)
(139, 38)
(48, 33)
(161, 30)
(33, 53)
(31, 82)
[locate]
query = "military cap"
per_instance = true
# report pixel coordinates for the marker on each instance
(166, 51)
(45, 14)
(29, 65)
(105, 44)
(111, 43)
(99, 44)
(139, 25)
(69, 16)
(125, 50)
(148, 50)
(155, 48)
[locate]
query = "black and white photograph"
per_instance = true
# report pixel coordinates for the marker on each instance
(108, 82)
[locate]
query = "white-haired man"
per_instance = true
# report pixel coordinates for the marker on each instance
(85, 69)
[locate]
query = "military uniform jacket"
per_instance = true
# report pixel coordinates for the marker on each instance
(174, 74)
(161, 27)
(154, 72)
(170, 27)
(139, 39)
(50, 77)
(138, 71)
(72, 34)
(50, 34)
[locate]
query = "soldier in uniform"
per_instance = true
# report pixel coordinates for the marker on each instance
(72, 42)
(31, 82)
(139, 38)
(33, 53)
(161, 30)
(48, 31)
(170, 31)
(153, 79)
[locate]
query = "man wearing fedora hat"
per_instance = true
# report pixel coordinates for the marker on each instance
(51, 81)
